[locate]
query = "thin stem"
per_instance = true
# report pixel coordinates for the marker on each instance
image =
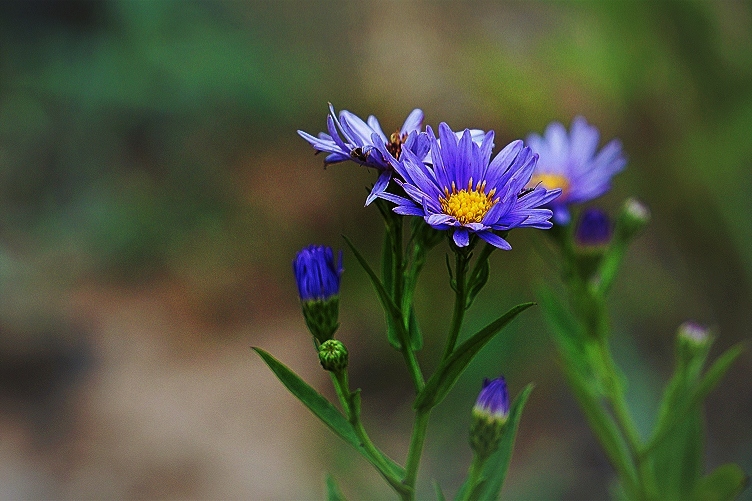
(420, 426)
(460, 300)
(473, 477)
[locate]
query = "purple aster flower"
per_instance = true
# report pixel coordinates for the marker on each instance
(467, 192)
(571, 162)
(593, 228)
(350, 138)
(316, 273)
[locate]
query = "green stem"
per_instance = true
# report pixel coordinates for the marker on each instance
(460, 300)
(394, 229)
(420, 426)
(473, 477)
(617, 399)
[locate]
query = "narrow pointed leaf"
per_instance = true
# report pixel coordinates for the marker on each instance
(603, 427)
(386, 301)
(321, 407)
(333, 493)
(416, 336)
(716, 371)
(387, 270)
(450, 369)
(477, 280)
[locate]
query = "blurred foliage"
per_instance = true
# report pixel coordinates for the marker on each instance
(144, 139)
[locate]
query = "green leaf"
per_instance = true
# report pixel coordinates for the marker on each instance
(716, 371)
(387, 271)
(677, 460)
(394, 315)
(676, 403)
(602, 425)
(321, 408)
(724, 483)
(333, 493)
(416, 336)
(452, 367)
(495, 469)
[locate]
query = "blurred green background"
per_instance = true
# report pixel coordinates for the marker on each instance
(153, 193)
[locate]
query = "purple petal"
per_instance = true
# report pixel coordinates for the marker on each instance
(461, 237)
(413, 122)
(379, 186)
(495, 240)
(374, 124)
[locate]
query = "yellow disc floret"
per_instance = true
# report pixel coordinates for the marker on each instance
(551, 182)
(468, 205)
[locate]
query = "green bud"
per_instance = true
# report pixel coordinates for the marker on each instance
(634, 217)
(333, 356)
(321, 317)
(692, 347)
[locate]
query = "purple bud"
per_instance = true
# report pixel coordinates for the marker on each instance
(593, 228)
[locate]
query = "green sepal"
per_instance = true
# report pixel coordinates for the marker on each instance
(724, 483)
(496, 466)
(322, 408)
(452, 367)
(394, 315)
(321, 317)
(333, 493)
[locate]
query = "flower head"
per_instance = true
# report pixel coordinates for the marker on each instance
(571, 162)
(467, 192)
(318, 276)
(489, 416)
(350, 138)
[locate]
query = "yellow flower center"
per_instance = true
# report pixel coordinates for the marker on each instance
(551, 182)
(468, 205)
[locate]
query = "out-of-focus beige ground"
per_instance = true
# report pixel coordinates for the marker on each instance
(169, 411)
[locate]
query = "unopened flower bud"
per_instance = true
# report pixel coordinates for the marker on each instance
(333, 356)
(318, 275)
(592, 237)
(593, 229)
(693, 343)
(634, 217)
(489, 416)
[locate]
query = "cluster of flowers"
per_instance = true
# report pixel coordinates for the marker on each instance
(454, 184)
